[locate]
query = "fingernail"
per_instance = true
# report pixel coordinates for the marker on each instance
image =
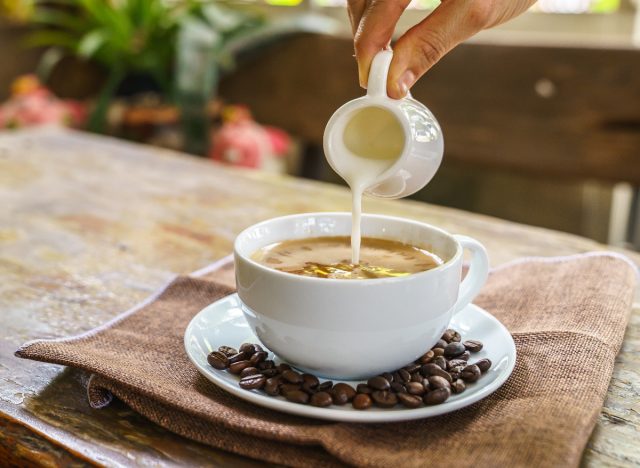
(405, 82)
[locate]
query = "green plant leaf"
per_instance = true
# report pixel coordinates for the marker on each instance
(58, 18)
(51, 38)
(91, 43)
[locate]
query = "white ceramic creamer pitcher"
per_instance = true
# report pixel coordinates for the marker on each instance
(392, 147)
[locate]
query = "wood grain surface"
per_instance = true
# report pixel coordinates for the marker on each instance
(89, 226)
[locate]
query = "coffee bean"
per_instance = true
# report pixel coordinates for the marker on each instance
(346, 388)
(310, 380)
(470, 373)
(404, 375)
(288, 387)
(268, 364)
(440, 344)
(426, 357)
(241, 356)
(416, 377)
(297, 396)
(455, 362)
(415, 388)
(455, 337)
(384, 398)
(437, 396)
(438, 352)
(252, 382)
(339, 397)
(283, 367)
(218, 360)
(272, 386)
(473, 345)
(409, 401)
(388, 376)
(429, 369)
(248, 371)
(257, 348)
(310, 390)
(426, 385)
(247, 348)
(411, 368)
(398, 387)
(258, 357)
(464, 356)
(397, 378)
(227, 350)
(378, 383)
(483, 364)
(292, 376)
(448, 335)
(456, 371)
(363, 388)
(437, 370)
(321, 399)
(270, 372)
(324, 386)
(362, 401)
(435, 382)
(454, 349)
(458, 386)
(239, 366)
(441, 362)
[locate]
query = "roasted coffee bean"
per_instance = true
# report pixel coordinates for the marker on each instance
(426, 357)
(363, 388)
(429, 369)
(218, 360)
(435, 381)
(252, 382)
(339, 397)
(440, 344)
(415, 388)
(409, 401)
(384, 398)
(272, 386)
(455, 337)
(464, 356)
(283, 367)
(288, 387)
(417, 377)
(398, 387)
(397, 378)
(309, 390)
(362, 401)
(247, 348)
(248, 371)
(426, 385)
(324, 386)
(378, 383)
(484, 365)
(297, 396)
(437, 370)
(454, 349)
(411, 368)
(470, 373)
(447, 335)
(241, 356)
(310, 380)
(438, 352)
(455, 362)
(239, 366)
(473, 345)
(388, 376)
(346, 388)
(458, 386)
(270, 372)
(228, 350)
(456, 371)
(257, 348)
(268, 364)
(258, 357)
(437, 396)
(404, 375)
(441, 362)
(292, 376)
(321, 399)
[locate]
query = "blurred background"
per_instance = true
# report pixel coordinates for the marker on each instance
(541, 116)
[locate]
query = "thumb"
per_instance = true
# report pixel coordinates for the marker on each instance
(428, 41)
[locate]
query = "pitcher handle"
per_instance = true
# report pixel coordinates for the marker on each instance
(377, 82)
(477, 274)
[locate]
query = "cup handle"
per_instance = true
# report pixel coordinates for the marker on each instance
(477, 274)
(377, 82)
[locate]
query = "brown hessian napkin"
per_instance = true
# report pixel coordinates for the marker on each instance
(567, 316)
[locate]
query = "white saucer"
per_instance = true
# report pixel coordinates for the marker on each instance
(223, 323)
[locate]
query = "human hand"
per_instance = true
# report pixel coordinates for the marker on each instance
(374, 21)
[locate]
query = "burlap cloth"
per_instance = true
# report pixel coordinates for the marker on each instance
(567, 317)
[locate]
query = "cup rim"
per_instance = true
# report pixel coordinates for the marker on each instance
(383, 102)
(291, 276)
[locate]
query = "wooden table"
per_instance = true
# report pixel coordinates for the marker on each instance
(89, 226)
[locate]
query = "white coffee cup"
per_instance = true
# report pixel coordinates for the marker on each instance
(423, 142)
(351, 329)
